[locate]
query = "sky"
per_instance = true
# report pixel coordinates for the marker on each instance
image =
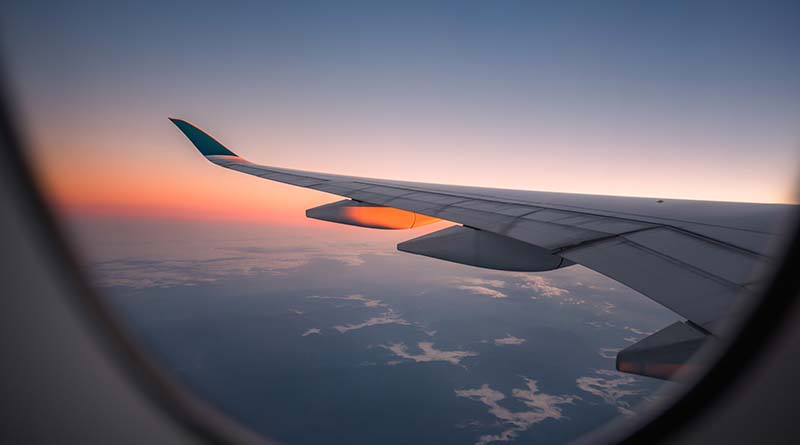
(697, 100)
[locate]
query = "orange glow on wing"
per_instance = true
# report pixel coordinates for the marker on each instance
(387, 217)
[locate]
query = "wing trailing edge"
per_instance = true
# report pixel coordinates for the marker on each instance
(666, 354)
(465, 245)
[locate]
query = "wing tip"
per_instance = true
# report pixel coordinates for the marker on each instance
(205, 144)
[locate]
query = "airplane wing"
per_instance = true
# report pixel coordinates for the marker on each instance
(694, 257)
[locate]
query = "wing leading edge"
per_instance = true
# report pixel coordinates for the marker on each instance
(694, 257)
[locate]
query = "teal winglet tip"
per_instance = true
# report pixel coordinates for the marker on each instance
(207, 145)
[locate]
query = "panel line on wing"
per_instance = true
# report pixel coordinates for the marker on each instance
(682, 264)
(586, 243)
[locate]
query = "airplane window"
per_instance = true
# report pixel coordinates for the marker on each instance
(440, 223)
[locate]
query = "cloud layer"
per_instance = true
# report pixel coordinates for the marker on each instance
(367, 302)
(430, 354)
(509, 340)
(388, 317)
(480, 286)
(543, 407)
(542, 286)
(611, 387)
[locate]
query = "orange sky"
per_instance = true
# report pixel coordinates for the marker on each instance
(159, 174)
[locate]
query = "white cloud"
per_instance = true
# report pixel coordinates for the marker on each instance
(311, 332)
(388, 317)
(610, 386)
(509, 340)
(481, 282)
(601, 325)
(480, 286)
(637, 331)
(606, 307)
(544, 406)
(546, 288)
(480, 290)
(608, 352)
(542, 286)
(368, 302)
(194, 267)
(430, 354)
(640, 334)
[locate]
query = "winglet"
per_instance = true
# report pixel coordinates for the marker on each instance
(207, 145)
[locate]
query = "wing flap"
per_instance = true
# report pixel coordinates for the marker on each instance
(479, 248)
(692, 292)
(720, 260)
(550, 235)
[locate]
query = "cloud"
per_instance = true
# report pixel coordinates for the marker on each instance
(480, 286)
(481, 282)
(311, 332)
(640, 334)
(388, 317)
(430, 354)
(600, 325)
(637, 331)
(542, 286)
(191, 267)
(368, 302)
(509, 340)
(544, 406)
(606, 307)
(609, 352)
(156, 273)
(480, 290)
(545, 288)
(610, 386)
